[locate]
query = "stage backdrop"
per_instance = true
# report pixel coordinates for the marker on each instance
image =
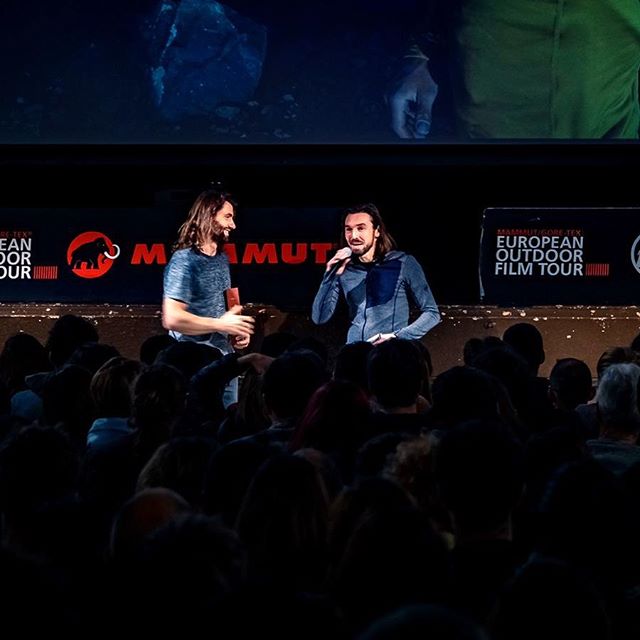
(560, 256)
(118, 255)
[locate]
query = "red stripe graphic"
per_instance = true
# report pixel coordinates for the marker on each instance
(45, 273)
(597, 269)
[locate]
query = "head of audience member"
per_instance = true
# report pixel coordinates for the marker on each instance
(283, 523)
(229, 473)
(21, 356)
(545, 453)
(38, 466)
(392, 558)
(268, 611)
(357, 503)
(615, 355)
(335, 421)
(464, 393)
(510, 368)
(188, 356)
(570, 384)
(473, 347)
(309, 343)
(373, 455)
(617, 401)
(587, 518)
(66, 335)
(29, 585)
(276, 343)
(205, 404)
(548, 598)
(411, 466)
(112, 387)
(159, 399)
(180, 465)
(159, 394)
(250, 415)
(153, 345)
(363, 550)
(92, 355)
(289, 382)
(324, 464)
(425, 391)
(479, 474)
(66, 401)
(190, 565)
(525, 339)
(351, 364)
(140, 516)
(527, 394)
(396, 372)
(418, 621)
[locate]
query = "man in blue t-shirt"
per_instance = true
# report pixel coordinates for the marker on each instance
(378, 282)
(193, 306)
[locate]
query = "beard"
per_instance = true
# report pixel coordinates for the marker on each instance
(219, 234)
(361, 249)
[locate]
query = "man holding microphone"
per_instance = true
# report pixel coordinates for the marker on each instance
(377, 281)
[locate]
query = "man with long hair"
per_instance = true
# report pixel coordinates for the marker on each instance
(377, 281)
(197, 276)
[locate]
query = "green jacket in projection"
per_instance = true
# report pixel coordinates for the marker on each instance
(538, 68)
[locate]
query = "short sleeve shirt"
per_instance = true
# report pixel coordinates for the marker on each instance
(199, 281)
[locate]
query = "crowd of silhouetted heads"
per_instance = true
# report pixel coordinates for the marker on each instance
(361, 496)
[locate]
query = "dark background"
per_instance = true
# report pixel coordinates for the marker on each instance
(79, 71)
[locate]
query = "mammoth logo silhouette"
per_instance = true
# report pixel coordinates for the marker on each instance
(91, 254)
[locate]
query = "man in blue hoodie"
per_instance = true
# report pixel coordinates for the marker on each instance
(377, 281)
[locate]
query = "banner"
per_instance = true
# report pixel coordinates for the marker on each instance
(277, 255)
(560, 256)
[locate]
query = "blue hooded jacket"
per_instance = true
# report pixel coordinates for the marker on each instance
(378, 297)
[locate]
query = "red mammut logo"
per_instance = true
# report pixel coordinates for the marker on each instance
(91, 254)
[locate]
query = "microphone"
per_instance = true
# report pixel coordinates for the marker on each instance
(343, 254)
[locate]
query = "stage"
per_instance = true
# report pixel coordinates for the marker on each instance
(568, 331)
(434, 198)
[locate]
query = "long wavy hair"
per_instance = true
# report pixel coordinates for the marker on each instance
(385, 241)
(198, 228)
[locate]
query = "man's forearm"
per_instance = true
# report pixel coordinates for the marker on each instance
(421, 292)
(421, 325)
(189, 324)
(326, 300)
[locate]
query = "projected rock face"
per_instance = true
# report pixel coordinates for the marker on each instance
(199, 71)
(203, 54)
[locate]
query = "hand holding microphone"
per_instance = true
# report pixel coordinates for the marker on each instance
(339, 262)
